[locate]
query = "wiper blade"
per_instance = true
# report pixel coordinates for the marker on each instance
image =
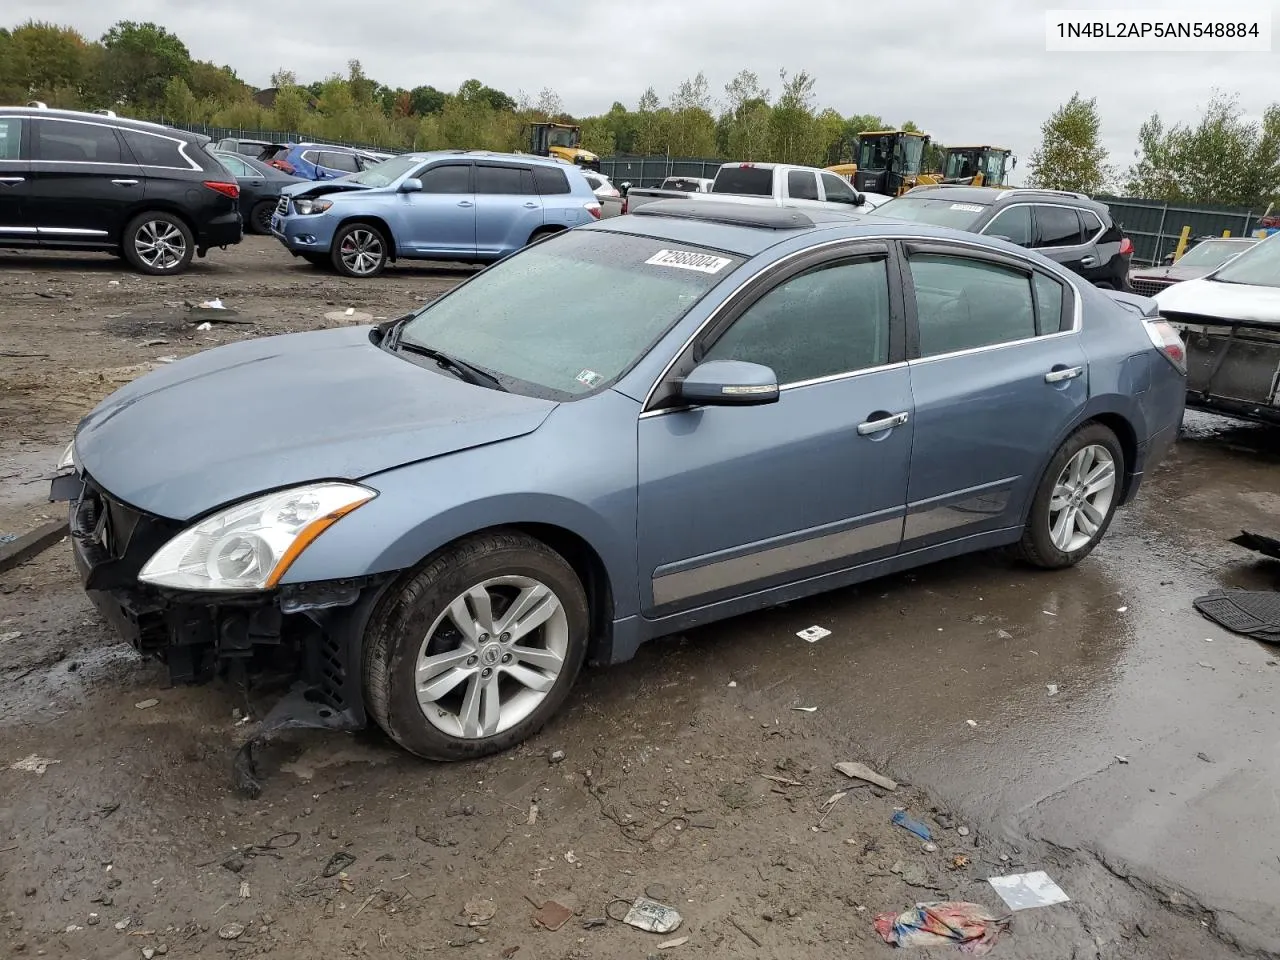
(465, 371)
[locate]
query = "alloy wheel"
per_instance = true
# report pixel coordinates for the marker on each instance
(491, 657)
(1082, 498)
(160, 244)
(361, 251)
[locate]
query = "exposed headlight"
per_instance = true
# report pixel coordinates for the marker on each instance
(67, 462)
(308, 207)
(251, 545)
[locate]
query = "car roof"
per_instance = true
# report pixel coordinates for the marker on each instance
(101, 116)
(992, 196)
(748, 230)
(530, 158)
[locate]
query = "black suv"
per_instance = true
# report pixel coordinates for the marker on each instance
(1067, 227)
(94, 181)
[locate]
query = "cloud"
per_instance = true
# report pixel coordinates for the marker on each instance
(962, 72)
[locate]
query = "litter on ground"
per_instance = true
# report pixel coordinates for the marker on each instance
(1022, 891)
(33, 764)
(650, 915)
(901, 818)
(860, 771)
(813, 634)
(970, 926)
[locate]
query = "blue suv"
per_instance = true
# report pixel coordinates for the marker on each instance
(464, 206)
(315, 161)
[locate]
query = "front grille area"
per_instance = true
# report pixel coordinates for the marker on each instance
(1149, 288)
(282, 207)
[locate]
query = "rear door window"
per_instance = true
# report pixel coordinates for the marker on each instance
(1092, 225)
(345, 162)
(838, 189)
(962, 304)
(1058, 226)
(802, 185)
(153, 151)
(10, 138)
(503, 180)
(66, 141)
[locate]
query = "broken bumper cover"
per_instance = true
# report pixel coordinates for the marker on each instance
(315, 630)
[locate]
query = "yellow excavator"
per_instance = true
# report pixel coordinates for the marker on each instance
(887, 161)
(983, 166)
(562, 141)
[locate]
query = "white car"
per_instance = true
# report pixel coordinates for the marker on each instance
(600, 185)
(1230, 323)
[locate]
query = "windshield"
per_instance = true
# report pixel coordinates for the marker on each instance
(993, 167)
(960, 165)
(908, 154)
(385, 173)
(1259, 265)
(939, 213)
(1212, 253)
(569, 315)
(563, 138)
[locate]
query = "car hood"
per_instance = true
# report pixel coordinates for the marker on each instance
(238, 420)
(1228, 301)
(311, 188)
(1170, 274)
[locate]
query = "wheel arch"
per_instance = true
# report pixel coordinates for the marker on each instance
(143, 207)
(1110, 412)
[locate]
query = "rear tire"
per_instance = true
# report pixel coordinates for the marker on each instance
(543, 232)
(359, 250)
(476, 650)
(260, 217)
(158, 244)
(1066, 520)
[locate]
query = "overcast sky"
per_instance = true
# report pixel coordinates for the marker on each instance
(966, 73)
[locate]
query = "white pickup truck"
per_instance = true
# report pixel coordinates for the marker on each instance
(769, 184)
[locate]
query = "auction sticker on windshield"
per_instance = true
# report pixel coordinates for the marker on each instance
(968, 207)
(589, 378)
(688, 260)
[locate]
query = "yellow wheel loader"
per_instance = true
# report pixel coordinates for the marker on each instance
(562, 141)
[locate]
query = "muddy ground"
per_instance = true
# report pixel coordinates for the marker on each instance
(688, 773)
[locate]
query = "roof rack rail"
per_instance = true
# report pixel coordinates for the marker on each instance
(1074, 194)
(37, 105)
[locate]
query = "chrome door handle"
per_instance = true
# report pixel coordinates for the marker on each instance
(532, 206)
(465, 203)
(12, 179)
(1088, 261)
(879, 426)
(1057, 376)
(125, 183)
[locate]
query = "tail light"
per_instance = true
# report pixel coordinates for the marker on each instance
(593, 209)
(231, 190)
(1126, 246)
(1165, 339)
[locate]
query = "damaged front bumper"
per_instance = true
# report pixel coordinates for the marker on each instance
(1233, 366)
(311, 633)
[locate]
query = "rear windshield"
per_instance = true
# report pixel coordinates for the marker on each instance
(1259, 265)
(939, 213)
(744, 181)
(536, 319)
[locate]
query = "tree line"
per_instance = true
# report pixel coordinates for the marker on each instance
(145, 71)
(1223, 158)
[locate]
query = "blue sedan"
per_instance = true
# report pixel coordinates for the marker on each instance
(641, 425)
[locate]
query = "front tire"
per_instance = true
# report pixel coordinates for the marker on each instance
(260, 216)
(1075, 501)
(478, 649)
(158, 244)
(359, 250)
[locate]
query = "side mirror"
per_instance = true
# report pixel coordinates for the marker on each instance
(410, 185)
(729, 383)
(859, 199)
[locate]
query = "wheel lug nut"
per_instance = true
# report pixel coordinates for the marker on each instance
(486, 672)
(505, 638)
(484, 638)
(472, 661)
(506, 658)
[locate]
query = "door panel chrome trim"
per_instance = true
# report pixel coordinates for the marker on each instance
(22, 230)
(12, 179)
(71, 231)
(1057, 376)
(868, 427)
(958, 509)
(1054, 269)
(682, 584)
(1058, 334)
